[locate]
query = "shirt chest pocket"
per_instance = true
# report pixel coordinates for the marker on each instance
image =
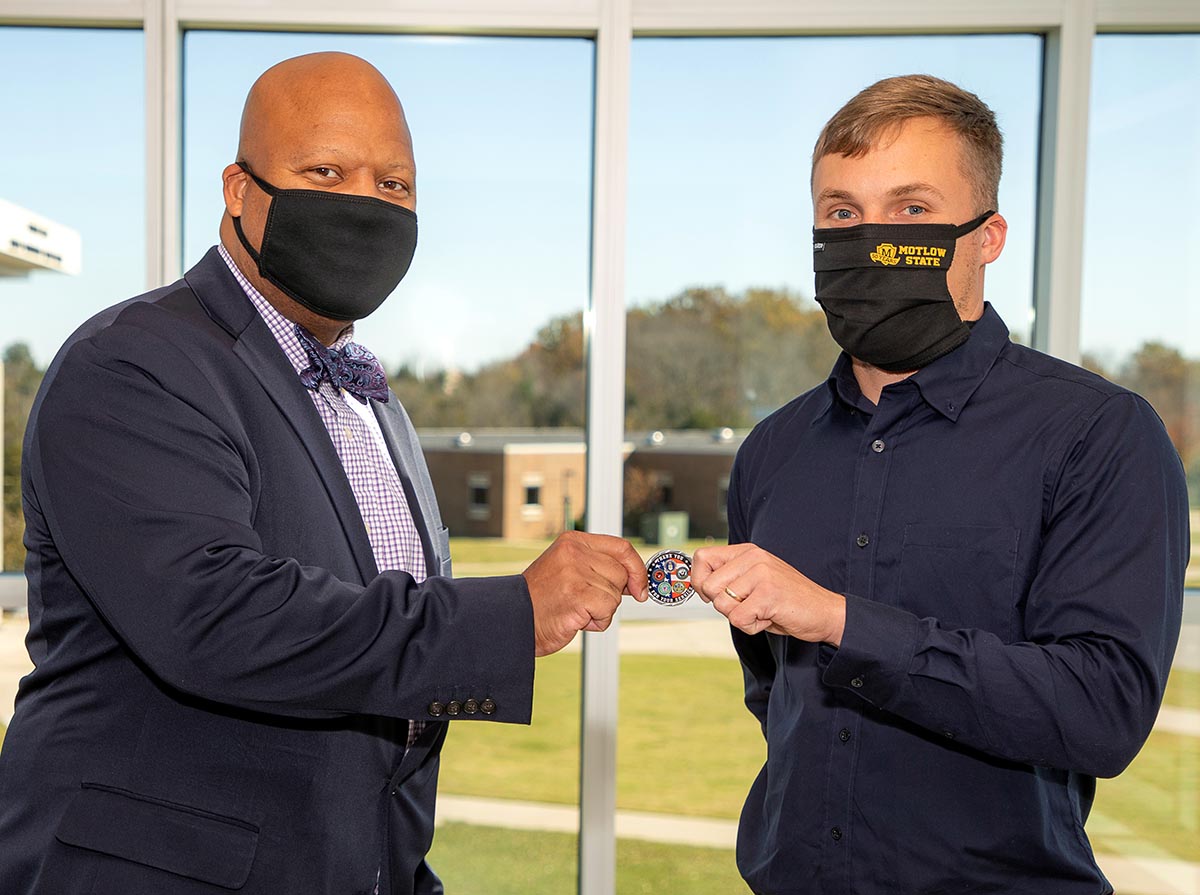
(961, 575)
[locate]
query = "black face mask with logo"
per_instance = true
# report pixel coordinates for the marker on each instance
(884, 293)
(338, 254)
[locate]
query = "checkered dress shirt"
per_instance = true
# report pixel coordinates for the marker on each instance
(359, 443)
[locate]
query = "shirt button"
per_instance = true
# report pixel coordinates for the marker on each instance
(862, 540)
(349, 433)
(844, 735)
(836, 833)
(877, 445)
(856, 683)
(488, 707)
(436, 709)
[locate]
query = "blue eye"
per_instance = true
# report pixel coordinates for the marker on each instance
(914, 210)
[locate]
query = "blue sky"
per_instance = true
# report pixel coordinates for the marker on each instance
(720, 136)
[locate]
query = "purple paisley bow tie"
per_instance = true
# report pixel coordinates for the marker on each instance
(350, 367)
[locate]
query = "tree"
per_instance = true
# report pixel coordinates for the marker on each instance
(21, 380)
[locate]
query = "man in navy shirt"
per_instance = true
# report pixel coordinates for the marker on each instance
(955, 569)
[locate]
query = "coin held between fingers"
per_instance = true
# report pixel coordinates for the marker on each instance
(669, 575)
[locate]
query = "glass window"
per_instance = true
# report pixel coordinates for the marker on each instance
(72, 235)
(1141, 327)
(722, 329)
(479, 497)
(483, 344)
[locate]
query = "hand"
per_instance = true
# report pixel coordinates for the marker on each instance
(758, 591)
(576, 585)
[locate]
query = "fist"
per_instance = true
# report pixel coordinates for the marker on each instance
(576, 585)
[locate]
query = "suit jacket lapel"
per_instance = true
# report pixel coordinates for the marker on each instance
(254, 344)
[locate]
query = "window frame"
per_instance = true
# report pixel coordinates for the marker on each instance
(1068, 27)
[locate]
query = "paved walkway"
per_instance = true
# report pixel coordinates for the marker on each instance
(1156, 875)
(1129, 876)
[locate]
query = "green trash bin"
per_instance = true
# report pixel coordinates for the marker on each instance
(667, 529)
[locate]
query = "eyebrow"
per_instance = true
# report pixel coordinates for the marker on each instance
(919, 186)
(907, 189)
(835, 195)
(313, 156)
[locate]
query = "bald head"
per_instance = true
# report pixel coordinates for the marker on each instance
(325, 121)
(315, 92)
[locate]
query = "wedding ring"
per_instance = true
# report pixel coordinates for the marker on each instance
(732, 595)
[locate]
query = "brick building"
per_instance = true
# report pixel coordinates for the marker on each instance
(525, 483)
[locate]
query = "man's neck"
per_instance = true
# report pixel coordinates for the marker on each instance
(872, 380)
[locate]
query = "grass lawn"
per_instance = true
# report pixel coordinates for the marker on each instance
(1183, 689)
(1153, 809)
(689, 708)
(685, 743)
(473, 860)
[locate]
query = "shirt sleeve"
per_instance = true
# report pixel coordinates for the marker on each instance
(1102, 617)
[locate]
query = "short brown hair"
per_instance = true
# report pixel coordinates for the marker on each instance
(858, 126)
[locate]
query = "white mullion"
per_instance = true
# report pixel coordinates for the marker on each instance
(171, 188)
(605, 437)
(1062, 182)
(73, 13)
(163, 211)
(1148, 15)
(152, 37)
(454, 16)
(848, 16)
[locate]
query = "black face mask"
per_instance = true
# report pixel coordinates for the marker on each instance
(338, 254)
(884, 293)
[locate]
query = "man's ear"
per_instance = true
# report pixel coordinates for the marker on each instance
(995, 231)
(235, 181)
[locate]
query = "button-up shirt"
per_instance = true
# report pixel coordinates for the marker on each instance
(1011, 533)
(358, 440)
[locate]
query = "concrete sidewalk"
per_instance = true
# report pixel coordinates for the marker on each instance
(691, 637)
(1129, 875)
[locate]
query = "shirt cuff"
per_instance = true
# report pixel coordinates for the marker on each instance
(877, 649)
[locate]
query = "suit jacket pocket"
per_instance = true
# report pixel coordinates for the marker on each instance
(182, 840)
(962, 575)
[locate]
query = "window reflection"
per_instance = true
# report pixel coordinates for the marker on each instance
(722, 330)
(483, 344)
(1141, 328)
(72, 238)
(72, 210)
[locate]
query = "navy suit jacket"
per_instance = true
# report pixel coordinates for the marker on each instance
(222, 675)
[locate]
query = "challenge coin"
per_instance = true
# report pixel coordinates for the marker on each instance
(669, 576)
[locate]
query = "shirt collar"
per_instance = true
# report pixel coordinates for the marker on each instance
(948, 383)
(281, 328)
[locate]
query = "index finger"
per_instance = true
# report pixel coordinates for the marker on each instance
(622, 551)
(708, 559)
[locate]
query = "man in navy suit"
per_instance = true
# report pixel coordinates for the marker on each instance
(246, 637)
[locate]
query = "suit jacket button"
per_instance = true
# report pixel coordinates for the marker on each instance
(436, 709)
(453, 707)
(488, 707)
(471, 706)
